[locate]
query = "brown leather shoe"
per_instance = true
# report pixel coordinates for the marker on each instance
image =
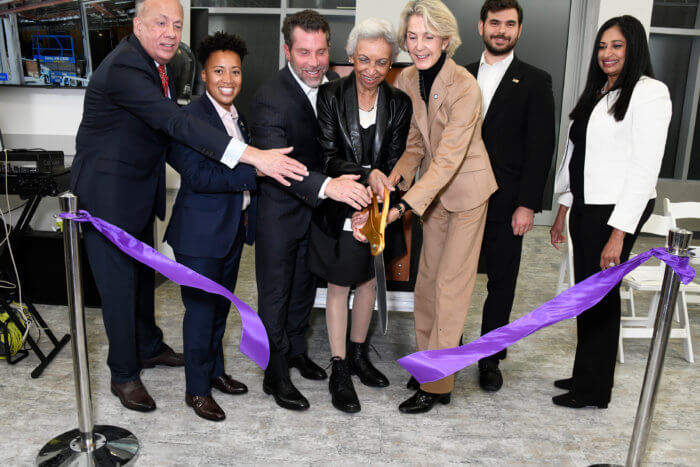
(167, 357)
(205, 406)
(133, 395)
(225, 383)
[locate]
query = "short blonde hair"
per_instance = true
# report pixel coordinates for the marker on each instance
(437, 18)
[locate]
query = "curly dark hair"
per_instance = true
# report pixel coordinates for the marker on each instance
(221, 41)
(308, 20)
(499, 5)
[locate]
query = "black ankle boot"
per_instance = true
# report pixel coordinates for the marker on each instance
(359, 364)
(340, 385)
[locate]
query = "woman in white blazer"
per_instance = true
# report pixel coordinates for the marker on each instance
(608, 178)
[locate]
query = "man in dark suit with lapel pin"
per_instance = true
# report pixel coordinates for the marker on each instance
(518, 131)
(129, 119)
(283, 112)
(213, 216)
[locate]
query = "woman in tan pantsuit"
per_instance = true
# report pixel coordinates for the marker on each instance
(454, 185)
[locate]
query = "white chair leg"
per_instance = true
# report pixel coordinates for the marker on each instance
(620, 349)
(561, 283)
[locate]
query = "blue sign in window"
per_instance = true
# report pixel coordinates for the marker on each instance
(3, 76)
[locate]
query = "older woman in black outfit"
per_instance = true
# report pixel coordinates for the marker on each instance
(364, 124)
(608, 179)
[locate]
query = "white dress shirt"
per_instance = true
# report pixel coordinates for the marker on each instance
(230, 121)
(490, 77)
(312, 95)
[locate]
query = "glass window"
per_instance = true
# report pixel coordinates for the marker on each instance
(51, 45)
(261, 34)
(108, 23)
(674, 13)
(237, 3)
(670, 56)
(340, 30)
(323, 4)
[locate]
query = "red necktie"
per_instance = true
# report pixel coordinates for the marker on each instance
(163, 79)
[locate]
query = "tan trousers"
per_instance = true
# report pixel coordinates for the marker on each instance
(445, 282)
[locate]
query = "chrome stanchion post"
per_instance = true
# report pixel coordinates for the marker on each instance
(678, 241)
(89, 445)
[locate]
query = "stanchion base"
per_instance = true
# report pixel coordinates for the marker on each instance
(114, 447)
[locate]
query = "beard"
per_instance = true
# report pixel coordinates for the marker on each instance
(502, 51)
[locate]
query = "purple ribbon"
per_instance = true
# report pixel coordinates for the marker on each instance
(254, 342)
(431, 365)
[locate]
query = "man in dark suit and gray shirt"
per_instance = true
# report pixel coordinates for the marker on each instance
(283, 112)
(518, 131)
(129, 118)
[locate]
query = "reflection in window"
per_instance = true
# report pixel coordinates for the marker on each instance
(323, 4)
(108, 23)
(237, 3)
(51, 45)
(674, 13)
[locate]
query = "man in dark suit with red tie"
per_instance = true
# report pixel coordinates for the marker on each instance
(118, 174)
(518, 131)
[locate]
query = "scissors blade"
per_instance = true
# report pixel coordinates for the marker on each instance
(380, 275)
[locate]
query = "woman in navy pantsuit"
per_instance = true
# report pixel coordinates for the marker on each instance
(214, 214)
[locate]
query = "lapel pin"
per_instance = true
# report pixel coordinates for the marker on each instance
(516, 80)
(435, 96)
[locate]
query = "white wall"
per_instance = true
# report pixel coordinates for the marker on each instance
(387, 9)
(640, 9)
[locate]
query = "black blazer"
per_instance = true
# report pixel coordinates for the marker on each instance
(207, 209)
(518, 132)
(118, 172)
(281, 116)
(341, 144)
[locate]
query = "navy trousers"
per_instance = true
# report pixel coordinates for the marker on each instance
(205, 316)
(126, 288)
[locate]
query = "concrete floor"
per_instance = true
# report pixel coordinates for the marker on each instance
(518, 425)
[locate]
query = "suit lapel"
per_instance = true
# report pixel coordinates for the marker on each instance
(508, 85)
(349, 109)
(420, 113)
(439, 90)
(381, 121)
(297, 93)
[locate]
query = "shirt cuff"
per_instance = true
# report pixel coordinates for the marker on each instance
(566, 199)
(233, 153)
(322, 191)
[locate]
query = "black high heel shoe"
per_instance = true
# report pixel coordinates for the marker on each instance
(413, 384)
(569, 400)
(423, 401)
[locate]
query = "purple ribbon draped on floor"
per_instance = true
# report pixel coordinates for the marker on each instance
(432, 365)
(254, 343)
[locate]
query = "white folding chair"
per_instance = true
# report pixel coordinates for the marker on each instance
(650, 279)
(685, 210)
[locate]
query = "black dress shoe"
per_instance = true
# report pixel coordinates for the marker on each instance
(423, 401)
(205, 406)
(307, 367)
(277, 383)
(286, 395)
(359, 364)
(133, 395)
(490, 377)
(569, 400)
(413, 384)
(567, 384)
(342, 390)
(225, 383)
(167, 357)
